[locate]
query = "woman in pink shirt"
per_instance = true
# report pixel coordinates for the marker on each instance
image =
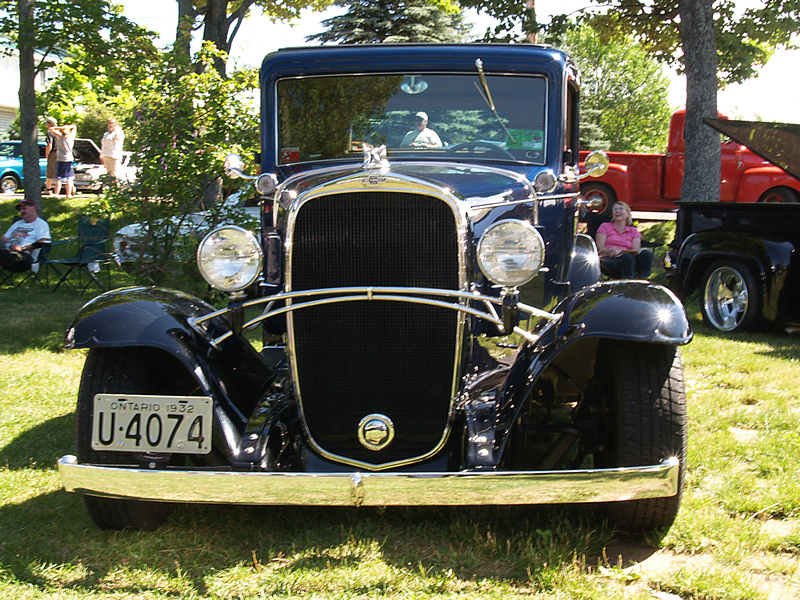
(619, 245)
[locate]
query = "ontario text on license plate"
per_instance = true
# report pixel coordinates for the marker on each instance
(176, 424)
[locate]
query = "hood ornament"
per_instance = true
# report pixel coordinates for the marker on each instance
(375, 157)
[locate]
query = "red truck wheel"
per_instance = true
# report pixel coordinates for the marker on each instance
(600, 197)
(779, 194)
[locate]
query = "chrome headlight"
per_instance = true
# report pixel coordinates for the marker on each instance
(511, 253)
(229, 258)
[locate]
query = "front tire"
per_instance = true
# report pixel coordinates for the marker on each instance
(115, 371)
(9, 184)
(730, 300)
(647, 400)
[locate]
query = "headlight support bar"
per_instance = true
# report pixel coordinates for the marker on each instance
(385, 294)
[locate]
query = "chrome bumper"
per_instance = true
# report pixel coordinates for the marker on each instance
(373, 489)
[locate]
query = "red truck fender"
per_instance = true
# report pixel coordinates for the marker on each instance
(767, 184)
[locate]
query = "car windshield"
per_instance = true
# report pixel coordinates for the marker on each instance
(414, 115)
(10, 151)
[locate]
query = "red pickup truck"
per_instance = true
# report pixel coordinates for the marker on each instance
(652, 182)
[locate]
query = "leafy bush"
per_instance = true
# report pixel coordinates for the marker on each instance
(186, 122)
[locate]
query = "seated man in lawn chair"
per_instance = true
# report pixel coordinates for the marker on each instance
(22, 242)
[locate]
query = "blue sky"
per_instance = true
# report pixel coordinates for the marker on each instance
(773, 96)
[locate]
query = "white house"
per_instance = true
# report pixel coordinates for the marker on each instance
(9, 93)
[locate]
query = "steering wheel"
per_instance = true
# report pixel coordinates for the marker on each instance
(491, 150)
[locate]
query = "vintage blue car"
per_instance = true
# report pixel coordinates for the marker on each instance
(434, 327)
(11, 178)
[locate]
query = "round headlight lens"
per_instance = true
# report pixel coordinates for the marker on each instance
(511, 253)
(229, 258)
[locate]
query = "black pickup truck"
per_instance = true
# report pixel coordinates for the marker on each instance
(743, 258)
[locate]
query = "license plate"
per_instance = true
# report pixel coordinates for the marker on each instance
(173, 424)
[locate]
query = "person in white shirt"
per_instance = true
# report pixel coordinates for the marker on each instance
(18, 253)
(421, 136)
(111, 148)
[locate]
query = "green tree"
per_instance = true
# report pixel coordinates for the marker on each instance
(44, 31)
(624, 93)
(393, 21)
(186, 123)
(221, 20)
(87, 94)
(725, 46)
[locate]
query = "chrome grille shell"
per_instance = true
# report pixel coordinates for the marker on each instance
(352, 359)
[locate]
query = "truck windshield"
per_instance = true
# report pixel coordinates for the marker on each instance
(414, 115)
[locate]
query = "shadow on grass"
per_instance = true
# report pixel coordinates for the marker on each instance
(278, 545)
(41, 446)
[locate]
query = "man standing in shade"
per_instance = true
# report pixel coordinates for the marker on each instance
(65, 141)
(50, 154)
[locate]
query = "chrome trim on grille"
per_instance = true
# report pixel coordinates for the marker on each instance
(387, 183)
(374, 489)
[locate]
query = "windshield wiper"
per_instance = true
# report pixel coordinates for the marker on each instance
(487, 96)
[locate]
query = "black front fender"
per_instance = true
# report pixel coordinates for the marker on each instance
(139, 316)
(635, 311)
(234, 374)
(625, 310)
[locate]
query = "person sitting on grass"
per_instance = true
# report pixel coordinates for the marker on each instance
(619, 245)
(19, 245)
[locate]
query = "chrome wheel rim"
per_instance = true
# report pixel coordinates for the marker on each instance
(726, 298)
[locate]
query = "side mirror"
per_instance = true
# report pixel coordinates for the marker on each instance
(266, 183)
(596, 164)
(233, 166)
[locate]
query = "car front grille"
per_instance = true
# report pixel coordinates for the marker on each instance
(356, 358)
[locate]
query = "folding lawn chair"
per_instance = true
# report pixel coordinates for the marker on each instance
(93, 236)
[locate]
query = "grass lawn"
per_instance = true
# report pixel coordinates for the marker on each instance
(737, 536)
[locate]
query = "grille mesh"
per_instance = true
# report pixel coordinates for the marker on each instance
(358, 358)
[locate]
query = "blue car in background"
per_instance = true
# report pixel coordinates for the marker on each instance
(11, 178)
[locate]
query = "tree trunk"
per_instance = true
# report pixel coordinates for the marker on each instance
(28, 125)
(530, 27)
(701, 178)
(183, 33)
(216, 29)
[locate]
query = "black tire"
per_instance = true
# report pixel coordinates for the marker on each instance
(9, 184)
(648, 421)
(780, 194)
(730, 300)
(118, 370)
